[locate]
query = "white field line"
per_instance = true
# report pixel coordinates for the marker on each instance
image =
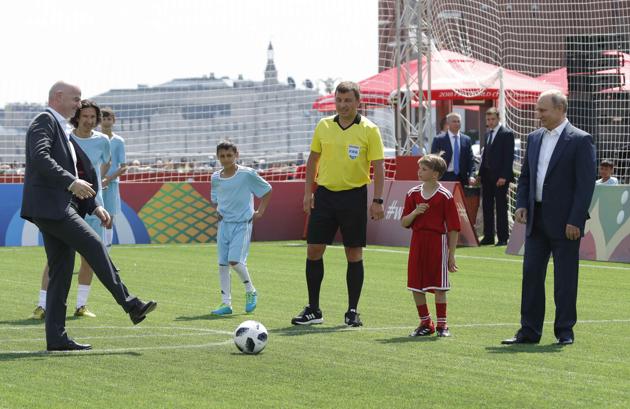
(120, 350)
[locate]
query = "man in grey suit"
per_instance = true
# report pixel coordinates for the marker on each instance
(59, 189)
(553, 197)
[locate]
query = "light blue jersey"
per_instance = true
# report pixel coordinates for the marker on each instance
(111, 195)
(234, 196)
(97, 149)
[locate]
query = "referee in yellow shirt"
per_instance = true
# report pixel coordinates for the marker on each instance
(342, 149)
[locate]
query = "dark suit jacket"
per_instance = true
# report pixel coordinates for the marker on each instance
(443, 143)
(569, 182)
(498, 158)
(50, 171)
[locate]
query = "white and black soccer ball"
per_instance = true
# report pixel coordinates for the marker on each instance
(250, 337)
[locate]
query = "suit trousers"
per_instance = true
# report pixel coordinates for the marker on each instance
(538, 248)
(61, 239)
(494, 196)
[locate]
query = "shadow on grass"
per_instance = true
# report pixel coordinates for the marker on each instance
(210, 317)
(399, 340)
(524, 349)
(39, 355)
(26, 322)
(295, 330)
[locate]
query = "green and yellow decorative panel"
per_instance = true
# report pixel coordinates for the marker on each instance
(177, 213)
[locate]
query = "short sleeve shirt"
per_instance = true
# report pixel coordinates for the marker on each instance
(440, 217)
(117, 145)
(346, 154)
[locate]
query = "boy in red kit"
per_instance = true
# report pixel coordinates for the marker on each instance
(431, 212)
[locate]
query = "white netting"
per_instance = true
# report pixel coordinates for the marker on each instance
(481, 51)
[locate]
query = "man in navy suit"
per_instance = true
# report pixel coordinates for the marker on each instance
(554, 193)
(457, 149)
(496, 173)
(59, 183)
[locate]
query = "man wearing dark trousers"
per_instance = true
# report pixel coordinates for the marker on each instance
(496, 173)
(553, 197)
(59, 183)
(342, 150)
(457, 148)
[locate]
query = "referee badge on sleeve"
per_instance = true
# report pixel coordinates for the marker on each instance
(353, 151)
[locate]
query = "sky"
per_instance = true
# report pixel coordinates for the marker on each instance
(102, 45)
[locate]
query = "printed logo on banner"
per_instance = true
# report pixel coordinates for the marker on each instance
(353, 151)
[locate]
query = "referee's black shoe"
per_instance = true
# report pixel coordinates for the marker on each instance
(308, 316)
(352, 319)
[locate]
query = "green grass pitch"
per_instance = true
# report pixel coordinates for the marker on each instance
(181, 357)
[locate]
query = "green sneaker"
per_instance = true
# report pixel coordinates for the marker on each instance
(222, 309)
(251, 299)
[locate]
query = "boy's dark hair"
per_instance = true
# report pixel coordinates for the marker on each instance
(227, 145)
(435, 162)
(86, 103)
(107, 112)
(607, 163)
(348, 86)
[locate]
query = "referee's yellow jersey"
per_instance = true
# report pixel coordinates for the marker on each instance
(346, 153)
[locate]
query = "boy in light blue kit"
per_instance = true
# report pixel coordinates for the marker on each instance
(232, 190)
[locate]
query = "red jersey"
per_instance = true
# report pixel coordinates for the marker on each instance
(440, 217)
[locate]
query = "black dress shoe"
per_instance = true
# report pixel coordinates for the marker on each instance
(565, 340)
(70, 346)
(518, 339)
(501, 243)
(486, 242)
(139, 313)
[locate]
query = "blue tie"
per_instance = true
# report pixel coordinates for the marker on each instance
(456, 156)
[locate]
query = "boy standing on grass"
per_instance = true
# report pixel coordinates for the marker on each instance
(233, 191)
(431, 213)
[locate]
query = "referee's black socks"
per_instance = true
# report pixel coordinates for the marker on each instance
(354, 281)
(314, 277)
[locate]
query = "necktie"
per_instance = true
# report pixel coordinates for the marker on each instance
(456, 155)
(489, 138)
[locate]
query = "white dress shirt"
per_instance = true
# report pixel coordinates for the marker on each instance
(451, 137)
(547, 146)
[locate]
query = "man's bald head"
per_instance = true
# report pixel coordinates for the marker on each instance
(64, 98)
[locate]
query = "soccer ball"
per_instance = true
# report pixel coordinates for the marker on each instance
(250, 337)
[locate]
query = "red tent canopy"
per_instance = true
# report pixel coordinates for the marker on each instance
(453, 76)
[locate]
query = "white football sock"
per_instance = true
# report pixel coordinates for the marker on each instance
(42, 299)
(109, 238)
(83, 291)
(241, 270)
(226, 286)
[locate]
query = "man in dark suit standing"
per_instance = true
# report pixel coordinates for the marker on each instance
(457, 149)
(59, 183)
(496, 173)
(553, 197)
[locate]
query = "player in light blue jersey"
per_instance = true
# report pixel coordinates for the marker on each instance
(232, 190)
(117, 167)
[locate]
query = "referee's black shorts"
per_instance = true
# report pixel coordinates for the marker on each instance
(345, 210)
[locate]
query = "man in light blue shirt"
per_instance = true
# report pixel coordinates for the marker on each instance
(232, 190)
(117, 167)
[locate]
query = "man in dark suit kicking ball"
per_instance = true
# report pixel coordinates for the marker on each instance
(59, 189)
(554, 193)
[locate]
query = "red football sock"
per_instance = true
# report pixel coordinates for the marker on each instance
(423, 313)
(440, 311)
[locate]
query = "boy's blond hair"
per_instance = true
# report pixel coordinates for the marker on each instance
(435, 162)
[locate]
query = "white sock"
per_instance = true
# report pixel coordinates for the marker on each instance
(226, 290)
(42, 299)
(82, 295)
(241, 270)
(109, 238)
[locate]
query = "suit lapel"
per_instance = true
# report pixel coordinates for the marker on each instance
(563, 140)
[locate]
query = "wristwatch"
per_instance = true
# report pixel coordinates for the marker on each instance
(379, 201)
